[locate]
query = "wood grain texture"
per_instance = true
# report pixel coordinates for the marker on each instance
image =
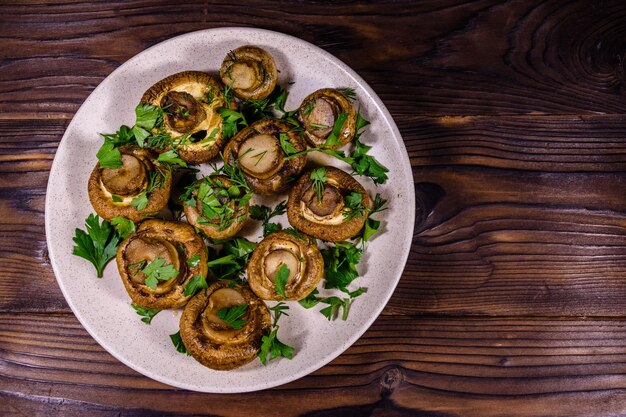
(433, 57)
(401, 366)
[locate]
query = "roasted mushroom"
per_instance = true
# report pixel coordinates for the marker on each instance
(216, 206)
(329, 204)
(258, 150)
(138, 189)
(158, 261)
(328, 117)
(295, 257)
(222, 326)
(190, 100)
(250, 71)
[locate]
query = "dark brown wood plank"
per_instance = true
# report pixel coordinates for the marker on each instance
(401, 366)
(430, 58)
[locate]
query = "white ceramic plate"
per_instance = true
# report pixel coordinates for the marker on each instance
(102, 305)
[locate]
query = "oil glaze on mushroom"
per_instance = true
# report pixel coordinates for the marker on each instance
(214, 342)
(301, 257)
(171, 243)
(323, 212)
(112, 190)
(258, 152)
(190, 101)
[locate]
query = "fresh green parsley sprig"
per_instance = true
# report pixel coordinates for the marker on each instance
(270, 345)
(231, 260)
(98, 245)
(156, 271)
(319, 178)
(147, 314)
(265, 214)
(178, 343)
(232, 315)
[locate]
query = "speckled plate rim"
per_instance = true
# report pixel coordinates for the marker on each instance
(401, 258)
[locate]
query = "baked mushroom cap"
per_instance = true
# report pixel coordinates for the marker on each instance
(214, 342)
(258, 152)
(190, 100)
(320, 210)
(320, 111)
(173, 244)
(250, 71)
(112, 190)
(217, 207)
(301, 257)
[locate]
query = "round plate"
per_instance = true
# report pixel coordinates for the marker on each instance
(102, 305)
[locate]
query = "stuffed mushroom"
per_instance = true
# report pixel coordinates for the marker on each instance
(250, 71)
(285, 266)
(137, 189)
(158, 261)
(216, 206)
(190, 101)
(266, 153)
(222, 326)
(329, 204)
(328, 117)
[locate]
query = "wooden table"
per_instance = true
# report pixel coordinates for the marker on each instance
(513, 302)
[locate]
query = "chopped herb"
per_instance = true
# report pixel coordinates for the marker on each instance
(194, 260)
(265, 213)
(171, 157)
(333, 138)
(178, 343)
(157, 271)
(146, 313)
(354, 206)
(195, 284)
(270, 345)
(286, 145)
(340, 264)
(258, 157)
(318, 126)
(308, 107)
(98, 245)
(116, 199)
(123, 226)
(109, 156)
(348, 92)
(371, 225)
(232, 315)
(231, 261)
(367, 165)
(319, 178)
(334, 305)
(140, 202)
(310, 300)
(280, 280)
(231, 121)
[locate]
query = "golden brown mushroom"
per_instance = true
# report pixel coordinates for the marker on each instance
(319, 112)
(217, 207)
(176, 248)
(257, 150)
(220, 344)
(299, 258)
(113, 190)
(250, 71)
(190, 100)
(326, 209)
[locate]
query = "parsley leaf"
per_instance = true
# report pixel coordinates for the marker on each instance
(232, 259)
(310, 300)
(171, 157)
(146, 313)
(123, 226)
(334, 305)
(140, 202)
(157, 271)
(98, 245)
(178, 343)
(232, 315)
(372, 225)
(318, 175)
(333, 138)
(280, 280)
(194, 260)
(286, 146)
(270, 345)
(265, 214)
(195, 284)
(340, 264)
(231, 122)
(109, 156)
(354, 206)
